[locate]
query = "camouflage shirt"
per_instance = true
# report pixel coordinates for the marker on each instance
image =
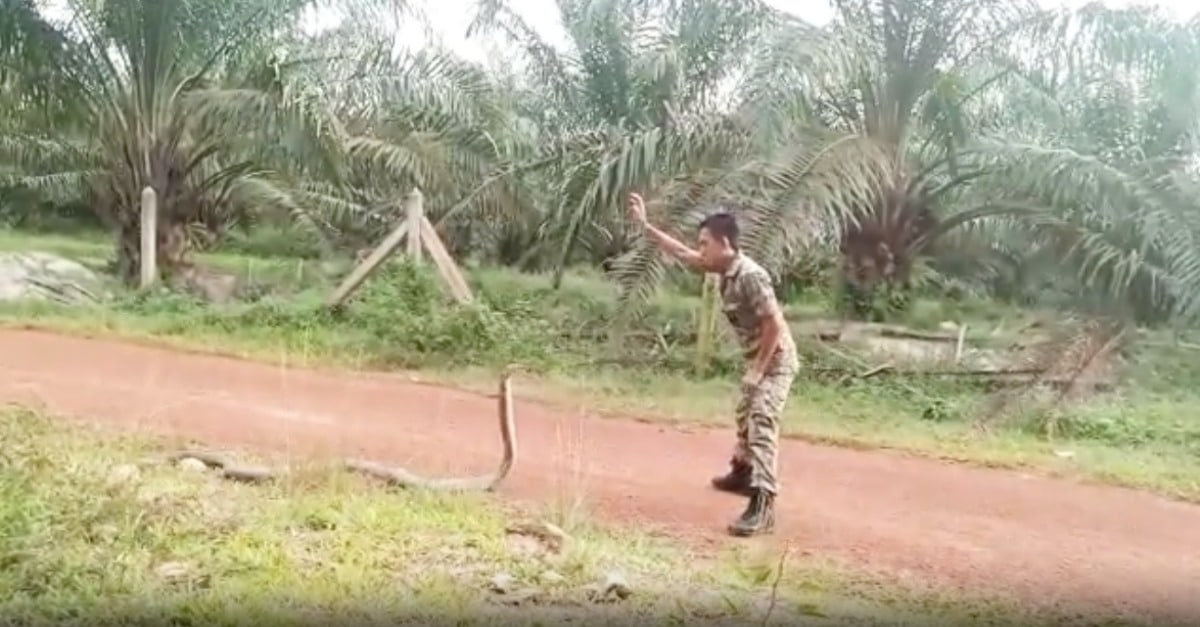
(747, 296)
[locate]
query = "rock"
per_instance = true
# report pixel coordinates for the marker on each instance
(125, 473)
(550, 578)
(192, 464)
(548, 535)
(47, 277)
(248, 474)
(523, 596)
(104, 533)
(501, 583)
(183, 574)
(173, 571)
(524, 546)
(208, 284)
(612, 586)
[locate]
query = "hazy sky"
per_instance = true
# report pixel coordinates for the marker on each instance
(450, 17)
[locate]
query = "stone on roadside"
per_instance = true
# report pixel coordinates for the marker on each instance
(40, 276)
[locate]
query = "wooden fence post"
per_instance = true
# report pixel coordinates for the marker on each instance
(149, 232)
(367, 266)
(421, 234)
(446, 267)
(414, 212)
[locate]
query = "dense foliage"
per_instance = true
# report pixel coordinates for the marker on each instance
(964, 145)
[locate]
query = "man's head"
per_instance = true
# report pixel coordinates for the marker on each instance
(718, 241)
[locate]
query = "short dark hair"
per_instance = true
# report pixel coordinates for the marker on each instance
(722, 224)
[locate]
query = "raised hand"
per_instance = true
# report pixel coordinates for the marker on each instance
(637, 208)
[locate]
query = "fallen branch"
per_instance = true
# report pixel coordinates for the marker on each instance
(850, 375)
(991, 379)
(912, 334)
(833, 331)
(395, 476)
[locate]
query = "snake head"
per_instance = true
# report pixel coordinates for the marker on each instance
(511, 369)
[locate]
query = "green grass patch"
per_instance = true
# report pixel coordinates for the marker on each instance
(98, 529)
(1145, 436)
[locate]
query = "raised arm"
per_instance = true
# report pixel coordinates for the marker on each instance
(666, 243)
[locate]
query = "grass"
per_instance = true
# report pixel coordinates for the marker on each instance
(1141, 437)
(97, 529)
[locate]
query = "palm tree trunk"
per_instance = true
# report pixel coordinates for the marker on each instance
(171, 251)
(129, 254)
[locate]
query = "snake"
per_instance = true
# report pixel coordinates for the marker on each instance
(393, 475)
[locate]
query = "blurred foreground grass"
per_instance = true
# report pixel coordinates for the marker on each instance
(94, 530)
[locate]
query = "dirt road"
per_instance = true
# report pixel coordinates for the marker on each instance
(1045, 541)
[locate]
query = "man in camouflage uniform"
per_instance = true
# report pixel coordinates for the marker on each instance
(748, 300)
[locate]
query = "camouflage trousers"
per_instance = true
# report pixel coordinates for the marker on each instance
(759, 413)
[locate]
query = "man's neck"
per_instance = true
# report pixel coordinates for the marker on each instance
(730, 263)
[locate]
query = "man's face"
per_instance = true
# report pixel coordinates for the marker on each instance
(715, 252)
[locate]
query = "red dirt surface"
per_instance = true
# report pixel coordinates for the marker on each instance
(1097, 550)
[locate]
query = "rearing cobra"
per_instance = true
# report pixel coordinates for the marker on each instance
(397, 476)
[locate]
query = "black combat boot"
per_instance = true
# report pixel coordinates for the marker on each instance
(759, 517)
(737, 481)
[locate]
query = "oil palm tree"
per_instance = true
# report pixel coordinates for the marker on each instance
(1102, 112)
(902, 74)
(633, 101)
(912, 87)
(442, 124)
(156, 95)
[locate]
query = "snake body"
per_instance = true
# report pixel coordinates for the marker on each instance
(395, 476)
